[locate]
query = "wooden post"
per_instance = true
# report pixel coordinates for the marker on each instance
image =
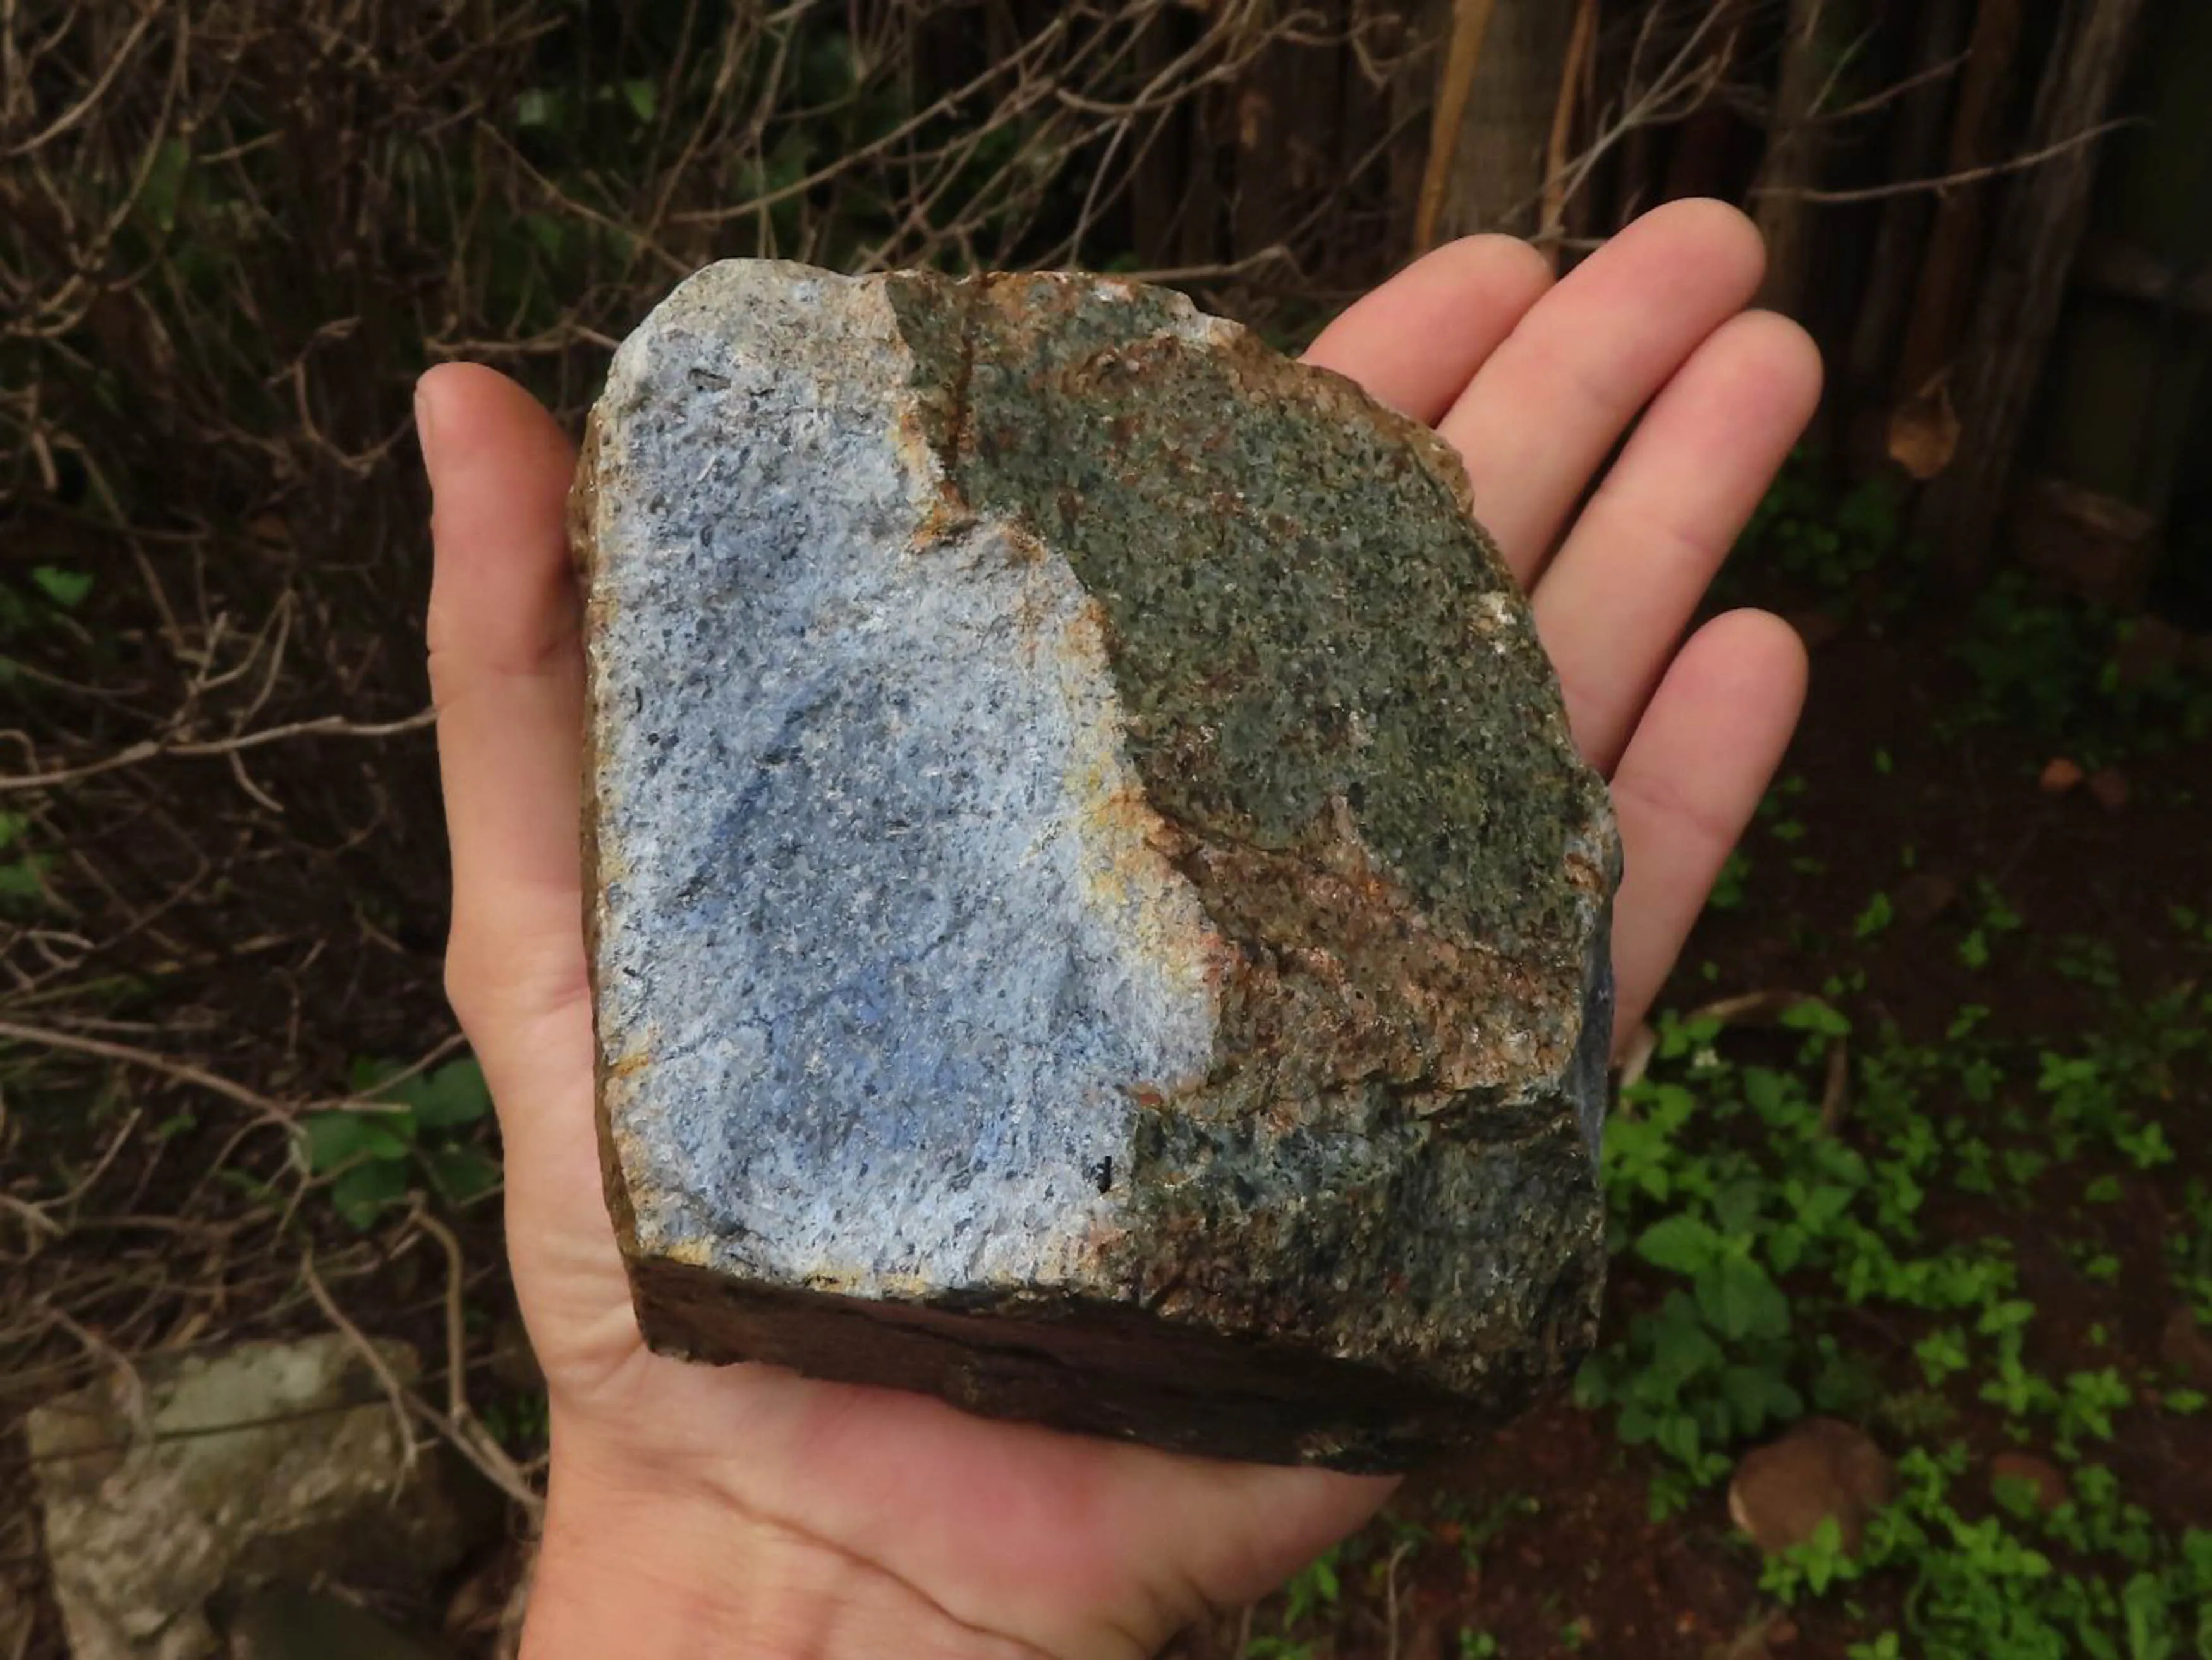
(1495, 107)
(2134, 346)
(2046, 209)
(1956, 237)
(1287, 122)
(1794, 147)
(1915, 151)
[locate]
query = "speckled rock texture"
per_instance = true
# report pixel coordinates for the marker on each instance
(1096, 914)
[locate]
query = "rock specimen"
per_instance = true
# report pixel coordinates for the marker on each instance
(209, 1475)
(1096, 913)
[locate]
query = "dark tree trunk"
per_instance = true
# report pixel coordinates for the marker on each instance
(2046, 209)
(1796, 145)
(2133, 348)
(1923, 424)
(1915, 151)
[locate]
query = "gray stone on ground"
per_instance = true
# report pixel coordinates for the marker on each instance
(1096, 913)
(211, 1476)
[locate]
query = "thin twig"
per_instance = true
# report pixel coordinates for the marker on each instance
(457, 1357)
(396, 1392)
(1390, 1595)
(1752, 1004)
(1835, 1097)
(1890, 94)
(183, 1071)
(76, 112)
(328, 726)
(1971, 176)
(1635, 1058)
(1580, 44)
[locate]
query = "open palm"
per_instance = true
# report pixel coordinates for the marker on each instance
(749, 1511)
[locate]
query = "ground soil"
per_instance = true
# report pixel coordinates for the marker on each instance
(1570, 1561)
(1545, 1539)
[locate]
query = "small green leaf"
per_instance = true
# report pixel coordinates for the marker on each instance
(1877, 915)
(2150, 1630)
(454, 1095)
(1815, 1016)
(23, 878)
(66, 588)
(1637, 1424)
(548, 233)
(368, 1188)
(366, 1077)
(643, 98)
(338, 1138)
(1822, 1206)
(1759, 1396)
(164, 188)
(1727, 892)
(1736, 1206)
(461, 1175)
(538, 108)
(332, 1138)
(1685, 1243)
(1742, 1300)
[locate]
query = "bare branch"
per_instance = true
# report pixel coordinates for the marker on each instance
(183, 1071)
(328, 726)
(1971, 176)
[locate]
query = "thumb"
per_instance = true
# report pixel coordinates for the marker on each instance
(507, 672)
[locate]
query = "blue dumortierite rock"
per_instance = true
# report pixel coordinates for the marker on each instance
(1096, 913)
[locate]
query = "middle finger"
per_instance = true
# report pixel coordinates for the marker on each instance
(1542, 414)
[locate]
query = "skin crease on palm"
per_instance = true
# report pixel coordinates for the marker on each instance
(746, 1511)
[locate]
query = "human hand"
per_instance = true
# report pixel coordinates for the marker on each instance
(745, 1511)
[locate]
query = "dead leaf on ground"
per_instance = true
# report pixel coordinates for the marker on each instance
(1924, 432)
(2061, 776)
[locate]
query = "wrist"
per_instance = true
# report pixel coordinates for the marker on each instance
(634, 1565)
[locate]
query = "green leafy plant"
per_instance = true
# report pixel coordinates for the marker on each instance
(1312, 1595)
(22, 871)
(1876, 917)
(1810, 1568)
(1847, 546)
(1729, 887)
(2051, 666)
(415, 1134)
